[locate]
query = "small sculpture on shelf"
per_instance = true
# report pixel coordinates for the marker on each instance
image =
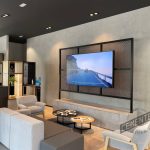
(12, 68)
(38, 82)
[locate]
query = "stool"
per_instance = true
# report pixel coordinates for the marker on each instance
(65, 141)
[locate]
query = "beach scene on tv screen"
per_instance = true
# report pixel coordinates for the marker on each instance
(93, 69)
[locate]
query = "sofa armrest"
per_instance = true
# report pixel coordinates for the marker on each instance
(40, 104)
(21, 106)
(120, 144)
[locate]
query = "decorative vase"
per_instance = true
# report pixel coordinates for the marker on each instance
(11, 90)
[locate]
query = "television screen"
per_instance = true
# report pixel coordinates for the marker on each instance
(92, 69)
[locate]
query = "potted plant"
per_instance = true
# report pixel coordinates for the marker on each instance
(11, 80)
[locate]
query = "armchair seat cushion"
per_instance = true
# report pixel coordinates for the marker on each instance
(35, 109)
(24, 111)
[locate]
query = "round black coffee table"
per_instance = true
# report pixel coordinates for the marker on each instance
(64, 116)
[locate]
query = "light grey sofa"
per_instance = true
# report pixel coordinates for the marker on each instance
(2, 147)
(19, 132)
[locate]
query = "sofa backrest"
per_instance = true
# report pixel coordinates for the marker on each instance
(27, 100)
(141, 136)
(20, 132)
(5, 125)
(26, 133)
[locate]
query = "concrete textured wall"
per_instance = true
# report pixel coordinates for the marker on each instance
(44, 50)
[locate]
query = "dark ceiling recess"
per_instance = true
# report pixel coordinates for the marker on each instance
(16, 39)
(33, 19)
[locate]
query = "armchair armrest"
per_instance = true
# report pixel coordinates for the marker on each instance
(118, 141)
(125, 144)
(40, 104)
(21, 106)
(115, 135)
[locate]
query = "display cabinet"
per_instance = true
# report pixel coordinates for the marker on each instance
(1, 68)
(1, 74)
(29, 73)
(29, 80)
(13, 78)
(19, 76)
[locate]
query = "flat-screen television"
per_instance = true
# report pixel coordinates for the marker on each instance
(92, 69)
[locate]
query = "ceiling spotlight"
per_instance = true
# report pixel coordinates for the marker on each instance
(20, 36)
(4, 15)
(96, 13)
(23, 5)
(48, 28)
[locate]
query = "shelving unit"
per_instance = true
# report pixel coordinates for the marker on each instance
(16, 68)
(1, 68)
(13, 70)
(1, 74)
(24, 75)
(29, 78)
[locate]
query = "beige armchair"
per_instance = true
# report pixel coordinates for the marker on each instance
(138, 140)
(30, 102)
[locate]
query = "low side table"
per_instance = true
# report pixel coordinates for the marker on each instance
(82, 120)
(64, 114)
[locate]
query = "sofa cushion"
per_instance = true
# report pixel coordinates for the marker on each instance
(52, 129)
(24, 111)
(35, 109)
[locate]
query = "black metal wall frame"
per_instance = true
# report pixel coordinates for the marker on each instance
(101, 47)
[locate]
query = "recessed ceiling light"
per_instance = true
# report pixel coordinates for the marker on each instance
(23, 5)
(4, 15)
(48, 28)
(20, 36)
(96, 13)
